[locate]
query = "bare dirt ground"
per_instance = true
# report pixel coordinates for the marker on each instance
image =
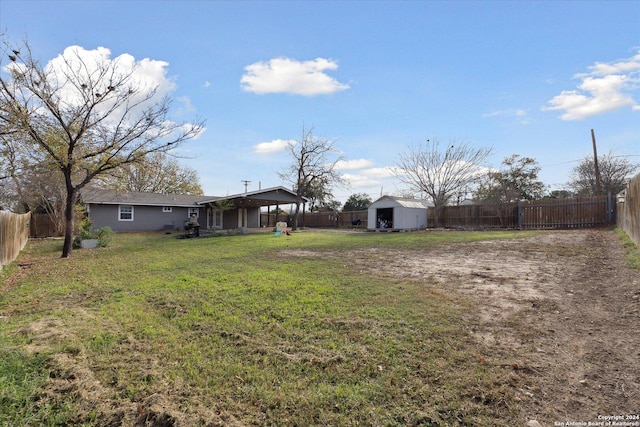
(563, 307)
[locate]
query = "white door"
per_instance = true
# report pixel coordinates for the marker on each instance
(214, 218)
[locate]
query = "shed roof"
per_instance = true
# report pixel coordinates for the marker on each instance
(403, 202)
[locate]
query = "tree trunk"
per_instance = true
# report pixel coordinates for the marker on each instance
(296, 217)
(67, 248)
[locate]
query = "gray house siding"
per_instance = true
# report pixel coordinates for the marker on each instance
(145, 218)
(232, 218)
(253, 218)
(146, 211)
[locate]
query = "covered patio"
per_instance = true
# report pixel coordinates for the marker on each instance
(243, 210)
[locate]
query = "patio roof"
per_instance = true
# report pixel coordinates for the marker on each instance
(267, 197)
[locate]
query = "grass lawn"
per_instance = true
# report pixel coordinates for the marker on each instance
(238, 330)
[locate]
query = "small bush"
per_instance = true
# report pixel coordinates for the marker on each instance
(86, 231)
(104, 236)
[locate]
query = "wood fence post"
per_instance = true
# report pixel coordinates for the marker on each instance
(519, 215)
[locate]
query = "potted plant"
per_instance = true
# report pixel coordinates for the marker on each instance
(88, 238)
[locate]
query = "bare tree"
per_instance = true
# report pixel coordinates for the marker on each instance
(157, 173)
(87, 114)
(9, 168)
(615, 172)
(441, 173)
(312, 168)
(33, 182)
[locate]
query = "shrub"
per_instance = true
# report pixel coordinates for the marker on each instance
(104, 236)
(86, 231)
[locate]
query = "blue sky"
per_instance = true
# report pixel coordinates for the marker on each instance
(529, 78)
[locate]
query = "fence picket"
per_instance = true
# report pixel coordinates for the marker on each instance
(581, 212)
(629, 209)
(14, 234)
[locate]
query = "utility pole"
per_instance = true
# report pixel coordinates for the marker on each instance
(246, 184)
(595, 164)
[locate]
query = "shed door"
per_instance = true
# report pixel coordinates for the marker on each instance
(384, 218)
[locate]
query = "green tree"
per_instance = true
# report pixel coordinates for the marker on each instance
(333, 205)
(517, 180)
(560, 194)
(87, 115)
(615, 172)
(357, 202)
(319, 194)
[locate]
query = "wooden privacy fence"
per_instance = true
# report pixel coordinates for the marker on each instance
(43, 226)
(475, 216)
(578, 212)
(14, 233)
(629, 210)
(319, 219)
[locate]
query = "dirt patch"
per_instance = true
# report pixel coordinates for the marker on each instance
(561, 307)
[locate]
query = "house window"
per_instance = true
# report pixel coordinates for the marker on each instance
(125, 213)
(194, 211)
(167, 209)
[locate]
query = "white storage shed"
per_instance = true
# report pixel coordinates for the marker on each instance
(396, 213)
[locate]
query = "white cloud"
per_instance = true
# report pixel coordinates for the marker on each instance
(359, 181)
(384, 172)
(284, 75)
(604, 94)
(275, 146)
(606, 87)
(625, 66)
(521, 115)
(76, 65)
(344, 165)
(371, 177)
(187, 105)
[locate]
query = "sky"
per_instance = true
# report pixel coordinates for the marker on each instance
(375, 77)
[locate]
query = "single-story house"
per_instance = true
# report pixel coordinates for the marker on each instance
(131, 211)
(397, 213)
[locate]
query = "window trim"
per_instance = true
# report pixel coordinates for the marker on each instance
(120, 212)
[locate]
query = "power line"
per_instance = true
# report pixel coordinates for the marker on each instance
(579, 160)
